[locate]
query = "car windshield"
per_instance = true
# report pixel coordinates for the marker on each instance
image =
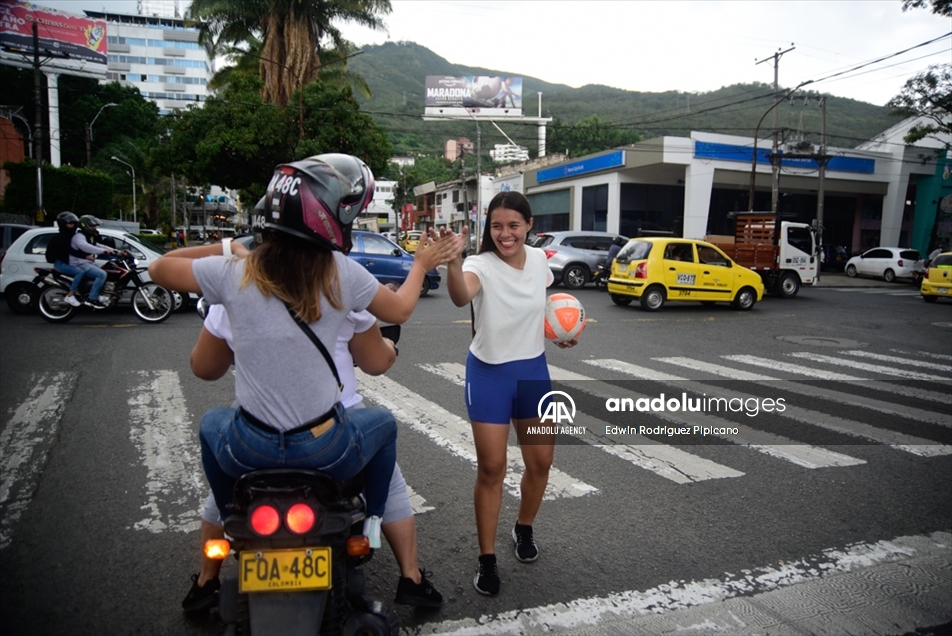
(634, 251)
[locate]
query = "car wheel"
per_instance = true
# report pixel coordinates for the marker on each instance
(889, 276)
(851, 271)
(930, 299)
(574, 276)
(745, 299)
(653, 298)
(21, 298)
(789, 285)
(621, 301)
(426, 287)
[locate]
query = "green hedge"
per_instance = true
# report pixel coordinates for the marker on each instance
(78, 190)
(157, 239)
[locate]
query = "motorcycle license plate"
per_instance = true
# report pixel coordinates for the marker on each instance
(285, 570)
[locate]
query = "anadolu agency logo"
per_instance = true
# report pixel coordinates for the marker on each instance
(556, 411)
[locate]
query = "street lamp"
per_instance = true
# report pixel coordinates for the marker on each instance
(134, 217)
(89, 133)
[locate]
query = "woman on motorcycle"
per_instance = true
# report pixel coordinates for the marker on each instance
(290, 414)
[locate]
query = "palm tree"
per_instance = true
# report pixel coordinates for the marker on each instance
(295, 34)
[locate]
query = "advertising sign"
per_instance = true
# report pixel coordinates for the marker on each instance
(454, 96)
(68, 43)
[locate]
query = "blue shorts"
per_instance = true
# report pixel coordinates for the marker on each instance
(498, 393)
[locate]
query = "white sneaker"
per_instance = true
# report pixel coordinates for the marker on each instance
(372, 531)
(72, 300)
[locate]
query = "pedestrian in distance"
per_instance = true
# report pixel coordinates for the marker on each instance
(298, 280)
(506, 283)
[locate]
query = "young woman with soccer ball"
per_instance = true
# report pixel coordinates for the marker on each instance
(506, 282)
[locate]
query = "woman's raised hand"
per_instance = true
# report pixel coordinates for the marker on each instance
(434, 250)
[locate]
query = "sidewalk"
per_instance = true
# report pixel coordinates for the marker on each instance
(839, 279)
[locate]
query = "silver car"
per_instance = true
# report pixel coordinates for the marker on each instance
(574, 255)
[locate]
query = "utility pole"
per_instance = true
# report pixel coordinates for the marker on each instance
(38, 124)
(774, 162)
(821, 159)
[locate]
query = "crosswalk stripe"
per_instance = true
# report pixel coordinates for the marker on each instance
(822, 374)
(665, 461)
(911, 412)
(875, 368)
(161, 429)
(453, 433)
(417, 502)
(900, 441)
(24, 445)
(926, 354)
(896, 360)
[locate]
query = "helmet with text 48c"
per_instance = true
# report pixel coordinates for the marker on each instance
(317, 198)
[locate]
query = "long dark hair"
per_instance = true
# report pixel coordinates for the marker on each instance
(511, 200)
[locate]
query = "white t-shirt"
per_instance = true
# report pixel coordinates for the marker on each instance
(510, 306)
(216, 322)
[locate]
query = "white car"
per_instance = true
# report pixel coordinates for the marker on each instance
(29, 251)
(888, 263)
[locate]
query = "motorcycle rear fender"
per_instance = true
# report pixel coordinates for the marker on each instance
(287, 613)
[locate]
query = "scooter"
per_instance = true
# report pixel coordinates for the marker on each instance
(601, 274)
(150, 302)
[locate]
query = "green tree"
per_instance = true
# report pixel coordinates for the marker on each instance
(927, 95)
(590, 135)
(294, 34)
(939, 7)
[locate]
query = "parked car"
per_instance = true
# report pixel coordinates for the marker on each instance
(573, 256)
(382, 257)
(410, 241)
(834, 257)
(148, 231)
(938, 281)
(888, 263)
(29, 251)
(656, 270)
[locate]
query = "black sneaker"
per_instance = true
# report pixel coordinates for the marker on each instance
(95, 304)
(421, 594)
(201, 598)
(526, 549)
(486, 580)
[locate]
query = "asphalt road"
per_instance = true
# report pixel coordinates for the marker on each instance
(101, 480)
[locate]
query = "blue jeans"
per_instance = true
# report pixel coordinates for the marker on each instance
(98, 276)
(360, 439)
(69, 270)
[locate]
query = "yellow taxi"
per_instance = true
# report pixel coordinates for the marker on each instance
(938, 280)
(410, 241)
(657, 270)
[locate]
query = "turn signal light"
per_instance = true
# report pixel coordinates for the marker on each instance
(265, 520)
(641, 271)
(300, 518)
(358, 546)
(217, 549)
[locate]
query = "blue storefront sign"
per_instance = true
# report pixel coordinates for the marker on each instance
(585, 166)
(730, 152)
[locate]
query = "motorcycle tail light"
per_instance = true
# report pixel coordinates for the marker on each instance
(358, 546)
(217, 549)
(265, 520)
(641, 271)
(550, 253)
(300, 518)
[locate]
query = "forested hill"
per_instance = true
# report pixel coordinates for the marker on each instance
(396, 73)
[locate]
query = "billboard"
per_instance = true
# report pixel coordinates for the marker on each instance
(68, 43)
(455, 96)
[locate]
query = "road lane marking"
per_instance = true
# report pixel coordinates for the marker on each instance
(896, 360)
(804, 455)
(910, 412)
(454, 433)
(822, 374)
(875, 368)
(163, 433)
(25, 442)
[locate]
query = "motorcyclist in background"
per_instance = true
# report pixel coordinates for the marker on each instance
(617, 244)
(90, 227)
(59, 250)
(80, 244)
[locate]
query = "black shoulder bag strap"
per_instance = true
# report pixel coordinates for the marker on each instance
(317, 343)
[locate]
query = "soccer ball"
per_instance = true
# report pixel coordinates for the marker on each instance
(564, 317)
(485, 88)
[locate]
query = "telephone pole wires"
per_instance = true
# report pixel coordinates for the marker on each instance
(775, 167)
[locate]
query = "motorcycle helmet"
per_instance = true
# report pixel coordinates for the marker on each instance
(65, 217)
(89, 222)
(316, 198)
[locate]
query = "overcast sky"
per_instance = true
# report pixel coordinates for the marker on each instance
(654, 46)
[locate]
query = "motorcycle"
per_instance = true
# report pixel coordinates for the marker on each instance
(601, 274)
(150, 302)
